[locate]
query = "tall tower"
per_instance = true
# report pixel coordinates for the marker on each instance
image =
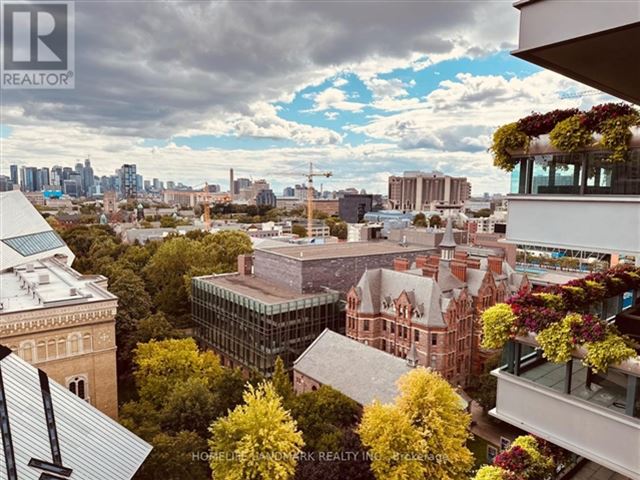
(231, 182)
(448, 243)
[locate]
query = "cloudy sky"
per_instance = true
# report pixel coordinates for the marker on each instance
(365, 89)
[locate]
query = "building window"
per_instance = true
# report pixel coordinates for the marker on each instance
(384, 345)
(434, 339)
(416, 335)
(26, 351)
(393, 327)
(384, 325)
(78, 386)
(365, 325)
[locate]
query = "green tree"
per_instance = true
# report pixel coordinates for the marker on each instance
(340, 230)
(323, 416)
(484, 385)
(175, 457)
(134, 304)
(420, 220)
(282, 382)
(160, 365)
(299, 230)
(168, 221)
(435, 221)
(258, 440)
(422, 435)
(155, 327)
(225, 247)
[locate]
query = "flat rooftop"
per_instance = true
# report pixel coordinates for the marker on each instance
(47, 283)
(345, 249)
(257, 288)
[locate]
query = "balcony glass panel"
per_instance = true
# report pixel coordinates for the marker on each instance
(563, 174)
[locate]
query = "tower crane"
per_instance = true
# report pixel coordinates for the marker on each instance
(309, 177)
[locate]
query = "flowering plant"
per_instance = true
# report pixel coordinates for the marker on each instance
(599, 114)
(538, 124)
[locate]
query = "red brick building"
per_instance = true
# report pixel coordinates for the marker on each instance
(430, 311)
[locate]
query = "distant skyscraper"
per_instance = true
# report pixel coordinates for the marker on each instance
(417, 190)
(31, 179)
(87, 177)
(231, 186)
(14, 174)
(128, 181)
(56, 175)
(45, 178)
(139, 183)
(288, 192)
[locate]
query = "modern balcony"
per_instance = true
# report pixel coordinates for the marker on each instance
(594, 42)
(596, 416)
(579, 202)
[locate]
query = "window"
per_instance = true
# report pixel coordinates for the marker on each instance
(434, 339)
(492, 453)
(384, 325)
(384, 345)
(416, 335)
(78, 386)
(393, 327)
(366, 325)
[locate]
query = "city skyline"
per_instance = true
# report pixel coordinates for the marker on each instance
(349, 100)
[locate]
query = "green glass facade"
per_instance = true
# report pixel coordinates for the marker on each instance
(253, 334)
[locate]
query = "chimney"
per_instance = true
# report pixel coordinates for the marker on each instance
(473, 263)
(495, 264)
(400, 264)
(431, 271)
(459, 269)
(460, 255)
(421, 261)
(245, 264)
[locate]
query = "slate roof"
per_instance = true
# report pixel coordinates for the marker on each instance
(378, 288)
(360, 372)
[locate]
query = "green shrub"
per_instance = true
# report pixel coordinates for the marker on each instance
(570, 135)
(498, 325)
(610, 351)
(557, 339)
(507, 137)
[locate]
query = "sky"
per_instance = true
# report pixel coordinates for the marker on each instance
(187, 90)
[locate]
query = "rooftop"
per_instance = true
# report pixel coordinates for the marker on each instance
(350, 249)
(256, 288)
(25, 236)
(362, 373)
(47, 283)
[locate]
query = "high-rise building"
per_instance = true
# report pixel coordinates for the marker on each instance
(231, 183)
(288, 192)
(14, 174)
(45, 177)
(5, 184)
(31, 179)
(128, 181)
(592, 209)
(87, 177)
(416, 191)
(240, 184)
(352, 208)
(266, 198)
(56, 176)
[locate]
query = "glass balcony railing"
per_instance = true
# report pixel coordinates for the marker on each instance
(584, 173)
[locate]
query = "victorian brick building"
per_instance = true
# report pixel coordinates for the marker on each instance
(429, 311)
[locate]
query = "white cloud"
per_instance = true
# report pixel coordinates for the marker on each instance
(334, 98)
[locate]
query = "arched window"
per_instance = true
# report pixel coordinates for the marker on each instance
(78, 386)
(74, 344)
(27, 351)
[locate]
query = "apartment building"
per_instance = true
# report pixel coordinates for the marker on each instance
(418, 191)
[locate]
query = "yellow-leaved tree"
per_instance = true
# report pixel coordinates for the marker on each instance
(258, 440)
(422, 435)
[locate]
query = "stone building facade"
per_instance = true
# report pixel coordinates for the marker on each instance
(73, 341)
(430, 309)
(307, 269)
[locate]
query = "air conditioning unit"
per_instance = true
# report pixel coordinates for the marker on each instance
(73, 292)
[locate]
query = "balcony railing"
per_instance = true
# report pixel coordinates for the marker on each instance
(583, 173)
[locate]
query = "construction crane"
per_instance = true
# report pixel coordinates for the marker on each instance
(309, 177)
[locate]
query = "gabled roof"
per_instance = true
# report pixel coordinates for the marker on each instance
(360, 372)
(378, 289)
(25, 236)
(55, 432)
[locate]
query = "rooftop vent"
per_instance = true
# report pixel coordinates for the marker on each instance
(73, 292)
(30, 267)
(43, 278)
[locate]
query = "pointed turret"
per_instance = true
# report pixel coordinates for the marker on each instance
(448, 243)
